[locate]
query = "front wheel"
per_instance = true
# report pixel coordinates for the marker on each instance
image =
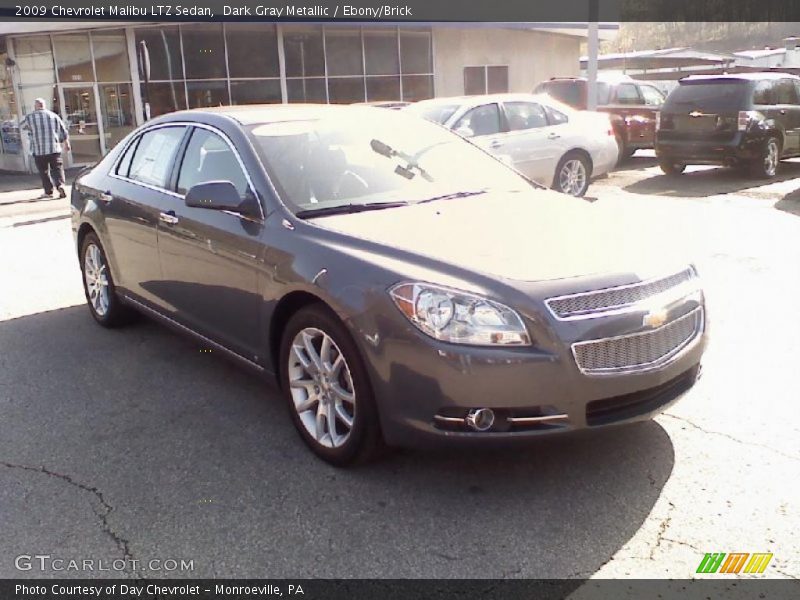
(671, 167)
(767, 165)
(572, 175)
(327, 390)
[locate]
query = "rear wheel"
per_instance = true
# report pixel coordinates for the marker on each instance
(327, 389)
(671, 167)
(572, 175)
(98, 285)
(766, 165)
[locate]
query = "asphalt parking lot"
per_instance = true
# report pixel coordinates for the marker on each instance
(135, 444)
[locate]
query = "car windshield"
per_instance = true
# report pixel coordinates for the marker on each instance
(721, 94)
(433, 111)
(370, 157)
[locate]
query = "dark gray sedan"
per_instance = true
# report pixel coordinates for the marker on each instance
(400, 284)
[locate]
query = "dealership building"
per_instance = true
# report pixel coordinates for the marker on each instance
(92, 73)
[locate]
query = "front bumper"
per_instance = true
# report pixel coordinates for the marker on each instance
(425, 387)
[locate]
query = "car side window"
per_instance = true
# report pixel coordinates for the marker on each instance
(785, 92)
(555, 117)
(651, 95)
(627, 94)
(155, 155)
(124, 165)
(764, 93)
(208, 157)
(481, 120)
(524, 115)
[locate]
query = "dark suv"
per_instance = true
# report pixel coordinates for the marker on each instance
(747, 120)
(632, 107)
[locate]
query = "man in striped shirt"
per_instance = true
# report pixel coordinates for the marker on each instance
(47, 133)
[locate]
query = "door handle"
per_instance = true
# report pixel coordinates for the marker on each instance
(553, 136)
(783, 111)
(106, 197)
(496, 144)
(168, 217)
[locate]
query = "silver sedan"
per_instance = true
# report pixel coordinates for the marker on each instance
(542, 138)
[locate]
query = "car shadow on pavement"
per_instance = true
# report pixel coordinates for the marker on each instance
(708, 182)
(637, 162)
(193, 457)
(790, 203)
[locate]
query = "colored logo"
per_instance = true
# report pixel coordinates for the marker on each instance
(736, 562)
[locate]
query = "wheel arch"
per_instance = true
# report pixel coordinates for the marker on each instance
(286, 307)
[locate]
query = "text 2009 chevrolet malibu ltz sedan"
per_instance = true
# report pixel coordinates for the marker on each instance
(402, 285)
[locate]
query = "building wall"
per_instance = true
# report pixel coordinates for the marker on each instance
(531, 56)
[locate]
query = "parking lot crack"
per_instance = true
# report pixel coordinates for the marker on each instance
(662, 529)
(730, 437)
(105, 509)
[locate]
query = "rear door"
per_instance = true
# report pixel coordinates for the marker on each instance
(210, 258)
(533, 144)
(484, 125)
(786, 108)
(136, 196)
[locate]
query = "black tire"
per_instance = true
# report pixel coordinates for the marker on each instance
(671, 167)
(116, 313)
(766, 166)
(559, 182)
(364, 441)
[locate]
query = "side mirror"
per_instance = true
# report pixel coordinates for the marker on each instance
(215, 195)
(465, 131)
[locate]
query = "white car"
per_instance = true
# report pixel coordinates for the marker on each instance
(547, 141)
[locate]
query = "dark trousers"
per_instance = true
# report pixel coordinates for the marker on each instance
(51, 170)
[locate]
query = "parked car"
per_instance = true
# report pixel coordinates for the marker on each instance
(749, 120)
(543, 139)
(632, 105)
(401, 285)
(390, 104)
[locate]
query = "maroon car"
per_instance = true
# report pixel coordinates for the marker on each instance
(632, 105)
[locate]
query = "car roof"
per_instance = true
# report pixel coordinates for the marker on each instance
(610, 78)
(742, 76)
(251, 114)
(483, 99)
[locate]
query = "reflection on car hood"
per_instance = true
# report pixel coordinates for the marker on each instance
(526, 236)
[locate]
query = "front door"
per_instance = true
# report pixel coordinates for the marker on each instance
(210, 258)
(79, 109)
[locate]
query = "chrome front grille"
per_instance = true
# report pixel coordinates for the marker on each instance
(639, 351)
(587, 304)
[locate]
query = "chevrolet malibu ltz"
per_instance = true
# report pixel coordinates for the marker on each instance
(401, 285)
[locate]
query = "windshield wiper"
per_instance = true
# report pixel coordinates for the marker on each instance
(453, 196)
(386, 150)
(346, 209)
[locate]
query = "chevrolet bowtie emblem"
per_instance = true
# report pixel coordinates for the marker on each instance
(655, 318)
(695, 113)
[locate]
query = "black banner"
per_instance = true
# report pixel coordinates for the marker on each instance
(441, 11)
(400, 589)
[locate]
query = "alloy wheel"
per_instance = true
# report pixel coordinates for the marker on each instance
(95, 275)
(572, 177)
(321, 386)
(771, 158)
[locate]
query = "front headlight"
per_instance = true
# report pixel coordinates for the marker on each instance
(459, 317)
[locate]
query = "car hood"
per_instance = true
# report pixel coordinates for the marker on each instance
(525, 236)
